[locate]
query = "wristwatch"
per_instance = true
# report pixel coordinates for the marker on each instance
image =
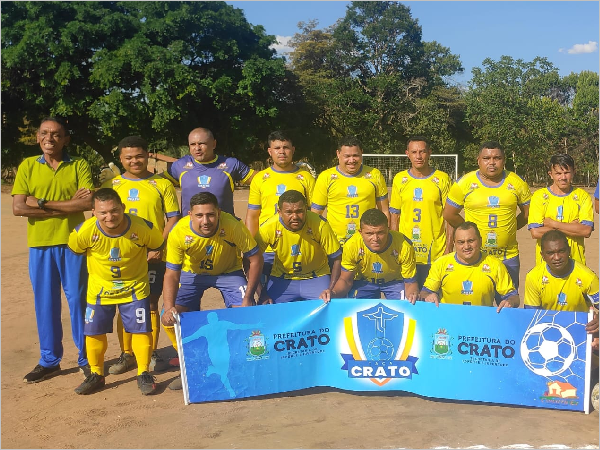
(42, 202)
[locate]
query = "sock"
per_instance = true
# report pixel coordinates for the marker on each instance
(171, 333)
(142, 349)
(124, 337)
(96, 348)
(155, 320)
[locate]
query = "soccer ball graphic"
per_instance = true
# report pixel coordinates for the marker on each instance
(380, 349)
(547, 349)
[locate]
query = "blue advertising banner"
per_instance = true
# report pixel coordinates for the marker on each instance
(518, 356)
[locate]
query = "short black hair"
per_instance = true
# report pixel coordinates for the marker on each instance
(349, 141)
(133, 141)
(491, 144)
(468, 226)
(419, 139)
(553, 235)
(291, 196)
(203, 198)
(59, 120)
(106, 194)
(373, 217)
(562, 160)
(279, 135)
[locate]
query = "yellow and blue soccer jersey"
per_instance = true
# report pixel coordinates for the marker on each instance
(492, 209)
(576, 291)
(268, 185)
(151, 198)
(303, 254)
(347, 197)
(420, 202)
(474, 284)
(577, 205)
(117, 266)
(395, 263)
(218, 254)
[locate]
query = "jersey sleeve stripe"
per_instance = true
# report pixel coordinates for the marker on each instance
(428, 290)
(531, 307)
(335, 254)
(451, 203)
(319, 207)
(525, 203)
(510, 294)
(252, 252)
(588, 223)
(175, 267)
(534, 225)
(394, 210)
(383, 197)
(345, 270)
(410, 280)
(172, 214)
(255, 207)
(159, 248)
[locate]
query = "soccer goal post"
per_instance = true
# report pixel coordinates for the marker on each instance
(389, 165)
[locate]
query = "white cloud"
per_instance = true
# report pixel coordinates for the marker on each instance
(590, 47)
(282, 46)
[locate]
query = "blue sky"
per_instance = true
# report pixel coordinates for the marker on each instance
(567, 33)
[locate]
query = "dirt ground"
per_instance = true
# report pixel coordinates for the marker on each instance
(51, 415)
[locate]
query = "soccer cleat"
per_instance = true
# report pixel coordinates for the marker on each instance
(125, 362)
(157, 364)
(85, 370)
(146, 383)
(176, 384)
(41, 373)
(90, 384)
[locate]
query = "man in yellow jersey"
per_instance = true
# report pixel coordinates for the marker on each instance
(307, 253)
(203, 251)
(116, 246)
(468, 276)
(562, 207)
(418, 198)
(52, 190)
(348, 190)
(383, 259)
(490, 197)
(153, 198)
(268, 185)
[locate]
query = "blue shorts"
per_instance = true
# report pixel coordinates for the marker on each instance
(514, 266)
(284, 291)
(156, 276)
(393, 290)
(135, 315)
(422, 273)
(192, 286)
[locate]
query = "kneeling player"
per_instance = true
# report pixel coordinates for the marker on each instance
(116, 245)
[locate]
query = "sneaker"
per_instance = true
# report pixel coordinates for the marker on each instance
(41, 373)
(146, 383)
(85, 370)
(91, 383)
(157, 364)
(125, 362)
(176, 384)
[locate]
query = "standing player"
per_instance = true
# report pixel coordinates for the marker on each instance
(490, 197)
(469, 276)
(203, 251)
(421, 192)
(52, 190)
(153, 198)
(307, 253)
(384, 261)
(268, 185)
(116, 246)
(562, 207)
(348, 190)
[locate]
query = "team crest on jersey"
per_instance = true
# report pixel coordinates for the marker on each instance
(545, 196)
(134, 237)
(134, 195)
(188, 240)
(115, 254)
(300, 177)
(467, 287)
(485, 268)
(152, 182)
(280, 189)
(436, 180)
(404, 180)
(204, 181)
(450, 267)
(578, 282)
(222, 232)
(189, 165)
(352, 192)
(474, 186)
(334, 176)
(277, 233)
(116, 181)
(296, 250)
(209, 250)
(418, 195)
(562, 299)
(368, 175)
(559, 213)
(377, 267)
(545, 279)
(309, 230)
(361, 252)
(576, 197)
(95, 238)
(222, 166)
(493, 201)
(510, 187)
(266, 175)
(395, 253)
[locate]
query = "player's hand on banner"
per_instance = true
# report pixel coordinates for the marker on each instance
(168, 317)
(504, 304)
(433, 298)
(109, 172)
(326, 295)
(592, 325)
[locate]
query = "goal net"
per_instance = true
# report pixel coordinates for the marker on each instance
(390, 165)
